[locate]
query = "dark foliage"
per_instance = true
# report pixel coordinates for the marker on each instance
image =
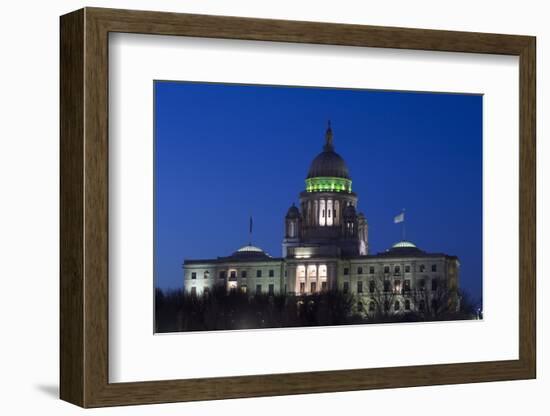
(177, 311)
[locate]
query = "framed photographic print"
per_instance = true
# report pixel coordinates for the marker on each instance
(255, 207)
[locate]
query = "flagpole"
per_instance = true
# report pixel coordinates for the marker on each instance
(403, 225)
(250, 232)
(401, 219)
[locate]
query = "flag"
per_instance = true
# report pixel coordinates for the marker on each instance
(399, 218)
(250, 228)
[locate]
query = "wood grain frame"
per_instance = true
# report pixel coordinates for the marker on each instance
(84, 207)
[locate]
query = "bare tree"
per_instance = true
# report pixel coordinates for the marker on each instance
(381, 299)
(437, 301)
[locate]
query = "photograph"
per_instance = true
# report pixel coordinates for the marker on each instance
(297, 206)
(240, 195)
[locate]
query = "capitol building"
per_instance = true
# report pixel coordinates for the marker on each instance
(326, 247)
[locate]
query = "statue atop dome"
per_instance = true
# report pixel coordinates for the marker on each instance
(329, 146)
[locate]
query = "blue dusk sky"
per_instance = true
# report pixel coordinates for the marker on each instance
(226, 152)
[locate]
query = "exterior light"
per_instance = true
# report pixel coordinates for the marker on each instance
(328, 184)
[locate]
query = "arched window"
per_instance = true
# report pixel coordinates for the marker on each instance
(372, 306)
(360, 306)
(407, 305)
(396, 306)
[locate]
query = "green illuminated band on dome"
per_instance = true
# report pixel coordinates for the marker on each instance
(328, 184)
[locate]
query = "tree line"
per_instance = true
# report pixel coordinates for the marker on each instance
(177, 310)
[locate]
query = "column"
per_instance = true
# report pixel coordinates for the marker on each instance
(316, 277)
(316, 212)
(331, 276)
(330, 212)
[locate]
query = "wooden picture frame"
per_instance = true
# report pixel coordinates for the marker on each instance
(84, 207)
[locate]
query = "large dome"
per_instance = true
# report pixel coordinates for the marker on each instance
(328, 164)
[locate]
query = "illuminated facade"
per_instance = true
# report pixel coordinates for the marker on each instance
(325, 247)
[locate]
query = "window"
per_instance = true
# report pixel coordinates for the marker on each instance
(371, 270)
(407, 269)
(222, 274)
(372, 306)
(397, 270)
(302, 287)
(346, 287)
(244, 288)
(434, 267)
(258, 273)
(372, 286)
(386, 269)
(313, 287)
(346, 271)
(434, 285)
(434, 305)
(397, 285)
(233, 274)
(286, 273)
(206, 291)
(406, 285)
(359, 270)
(396, 306)
(206, 274)
(387, 305)
(258, 289)
(193, 275)
(193, 291)
(387, 285)
(422, 306)
(271, 273)
(360, 306)
(243, 274)
(323, 286)
(422, 284)
(359, 287)
(271, 289)
(422, 268)
(407, 305)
